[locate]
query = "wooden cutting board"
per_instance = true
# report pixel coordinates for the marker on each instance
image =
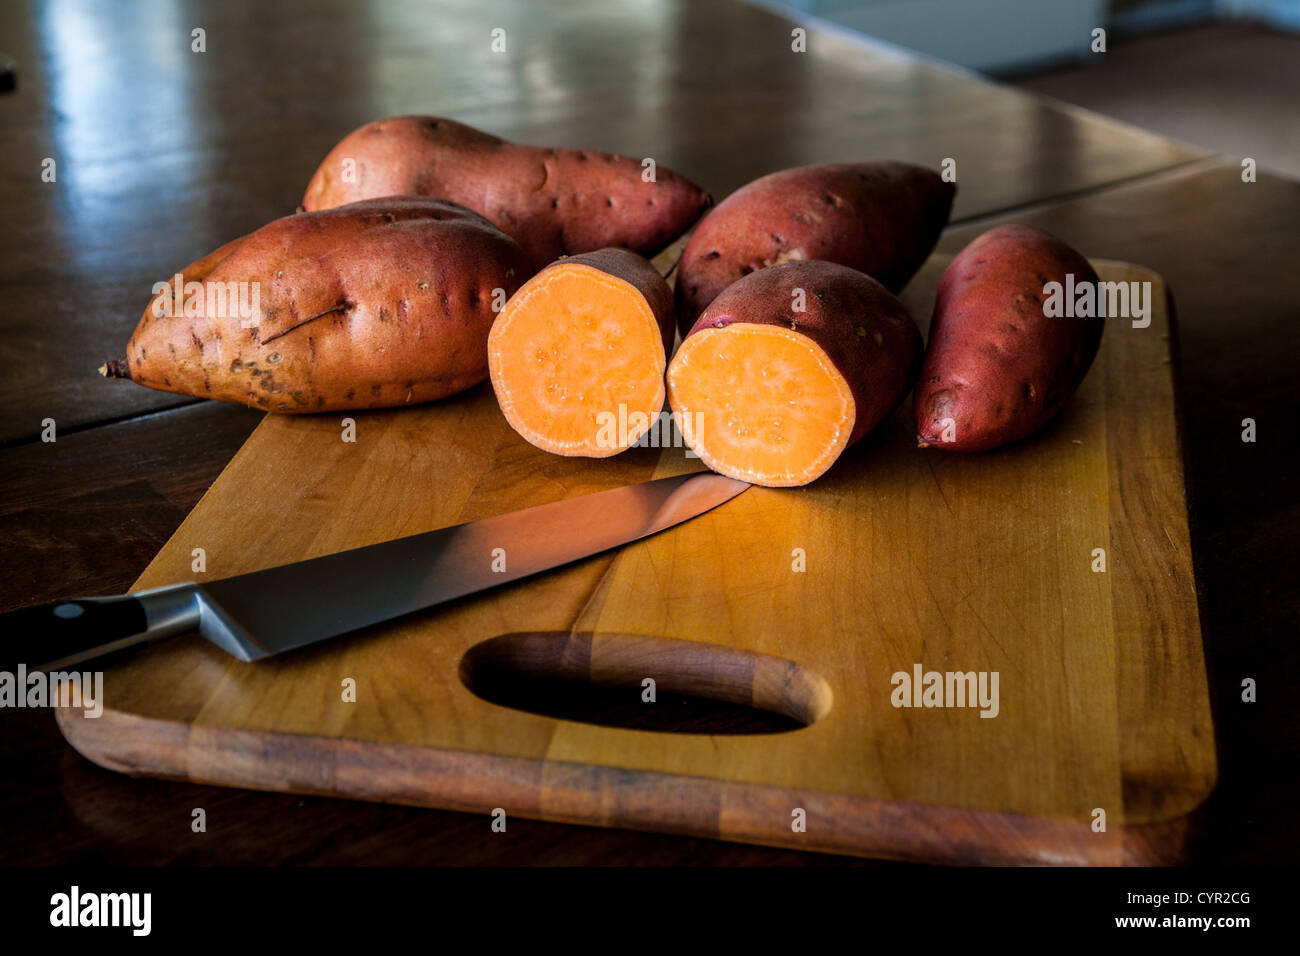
(956, 563)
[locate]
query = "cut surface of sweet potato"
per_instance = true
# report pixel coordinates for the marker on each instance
(577, 356)
(761, 403)
(788, 367)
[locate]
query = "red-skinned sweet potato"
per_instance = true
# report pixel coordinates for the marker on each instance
(379, 303)
(788, 367)
(577, 356)
(554, 202)
(881, 218)
(996, 368)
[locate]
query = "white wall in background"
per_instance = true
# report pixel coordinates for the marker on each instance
(1155, 14)
(1006, 35)
(979, 34)
(1278, 13)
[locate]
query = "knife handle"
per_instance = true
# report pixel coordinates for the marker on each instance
(64, 632)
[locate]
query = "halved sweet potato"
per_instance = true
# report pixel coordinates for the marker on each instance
(788, 367)
(577, 356)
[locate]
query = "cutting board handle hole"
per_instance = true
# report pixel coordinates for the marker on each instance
(699, 688)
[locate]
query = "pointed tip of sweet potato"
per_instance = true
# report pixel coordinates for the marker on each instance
(116, 368)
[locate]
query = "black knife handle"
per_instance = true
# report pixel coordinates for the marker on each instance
(71, 629)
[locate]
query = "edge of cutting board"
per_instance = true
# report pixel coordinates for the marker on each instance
(570, 793)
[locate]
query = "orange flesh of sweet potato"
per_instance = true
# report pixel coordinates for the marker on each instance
(786, 432)
(789, 367)
(577, 356)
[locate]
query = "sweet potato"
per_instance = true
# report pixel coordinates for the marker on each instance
(577, 356)
(881, 218)
(788, 367)
(996, 368)
(378, 303)
(554, 202)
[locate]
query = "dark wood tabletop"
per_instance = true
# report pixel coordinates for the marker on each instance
(163, 154)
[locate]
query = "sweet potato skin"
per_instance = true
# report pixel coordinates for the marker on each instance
(995, 365)
(865, 331)
(375, 304)
(882, 218)
(554, 202)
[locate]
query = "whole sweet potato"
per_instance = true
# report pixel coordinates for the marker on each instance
(997, 368)
(881, 218)
(788, 367)
(554, 202)
(378, 303)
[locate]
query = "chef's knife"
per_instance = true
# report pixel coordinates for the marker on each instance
(267, 612)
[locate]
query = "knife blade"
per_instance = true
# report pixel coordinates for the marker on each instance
(261, 613)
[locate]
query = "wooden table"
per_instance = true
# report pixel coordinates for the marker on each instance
(163, 153)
